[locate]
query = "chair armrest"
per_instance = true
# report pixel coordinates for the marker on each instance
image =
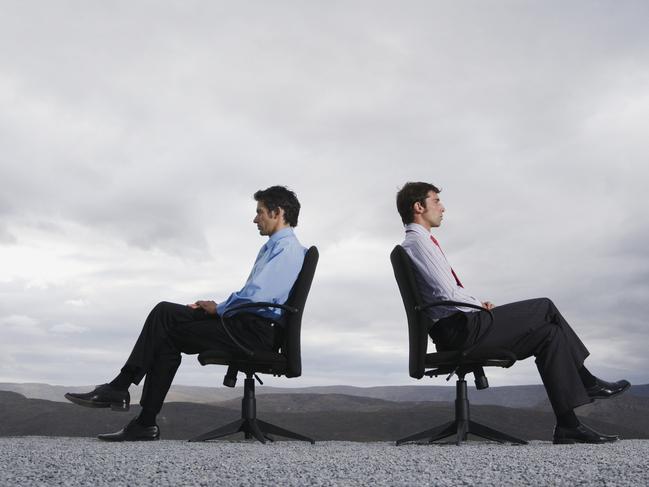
(259, 304)
(452, 303)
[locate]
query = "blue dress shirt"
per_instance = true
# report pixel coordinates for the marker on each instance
(275, 270)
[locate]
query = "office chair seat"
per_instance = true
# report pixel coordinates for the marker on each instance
(489, 357)
(264, 362)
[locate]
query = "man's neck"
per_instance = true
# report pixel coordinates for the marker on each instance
(424, 225)
(277, 230)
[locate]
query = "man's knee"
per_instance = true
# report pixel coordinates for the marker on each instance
(160, 313)
(546, 304)
(162, 306)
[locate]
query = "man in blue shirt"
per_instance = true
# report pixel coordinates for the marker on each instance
(172, 329)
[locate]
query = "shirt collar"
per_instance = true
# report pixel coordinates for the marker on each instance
(283, 233)
(417, 229)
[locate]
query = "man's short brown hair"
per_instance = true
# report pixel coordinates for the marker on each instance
(277, 197)
(410, 194)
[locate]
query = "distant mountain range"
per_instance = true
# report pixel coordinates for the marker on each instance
(529, 396)
(329, 413)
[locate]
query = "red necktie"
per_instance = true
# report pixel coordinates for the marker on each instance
(457, 280)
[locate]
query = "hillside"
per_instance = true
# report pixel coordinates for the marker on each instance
(528, 396)
(323, 416)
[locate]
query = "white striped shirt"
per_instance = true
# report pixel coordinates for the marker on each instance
(433, 273)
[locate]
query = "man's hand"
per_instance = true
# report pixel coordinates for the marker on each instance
(208, 306)
(488, 304)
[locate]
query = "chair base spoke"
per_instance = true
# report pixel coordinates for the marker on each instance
(251, 428)
(225, 430)
(461, 429)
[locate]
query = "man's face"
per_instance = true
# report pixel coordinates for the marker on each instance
(268, 222)
(432, 213)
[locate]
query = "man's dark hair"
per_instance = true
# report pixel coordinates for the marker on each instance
(410, 194)
(277, 197)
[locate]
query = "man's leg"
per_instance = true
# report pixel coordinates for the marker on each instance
(193, 337)
(153, 342)
(169, 330)
(536, 327)
(153, 354)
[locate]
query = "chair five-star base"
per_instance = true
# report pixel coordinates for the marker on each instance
(249, 425)
(462, 425)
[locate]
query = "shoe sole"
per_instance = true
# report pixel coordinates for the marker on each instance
(116, 440)
(571, 441)
(114, 406)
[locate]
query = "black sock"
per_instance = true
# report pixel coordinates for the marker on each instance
(122, 382)
(567, 419)
(146, 418)
(587, 378)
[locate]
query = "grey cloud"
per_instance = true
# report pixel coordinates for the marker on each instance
(136, 137)
(6, 237)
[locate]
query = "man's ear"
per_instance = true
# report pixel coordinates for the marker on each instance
(279, 212)
(418, 208)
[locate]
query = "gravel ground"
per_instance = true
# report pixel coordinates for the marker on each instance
(85, 461)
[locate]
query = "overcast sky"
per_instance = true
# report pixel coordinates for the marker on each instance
(133, 134)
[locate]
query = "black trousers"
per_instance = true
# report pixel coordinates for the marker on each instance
(526, 328)
(174, 328)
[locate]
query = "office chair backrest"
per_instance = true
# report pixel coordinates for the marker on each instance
(417, 321)
(291, 347)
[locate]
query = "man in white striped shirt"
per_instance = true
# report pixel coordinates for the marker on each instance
(526, 328)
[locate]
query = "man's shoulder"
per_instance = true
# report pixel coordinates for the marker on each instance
(413, 240)
(417, 247)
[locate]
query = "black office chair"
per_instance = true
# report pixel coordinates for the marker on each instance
(287, 361)
(454, 362)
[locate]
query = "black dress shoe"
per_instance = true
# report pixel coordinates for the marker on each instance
(103, 396)
(604, 390)
(133, 432)
(580, 434)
